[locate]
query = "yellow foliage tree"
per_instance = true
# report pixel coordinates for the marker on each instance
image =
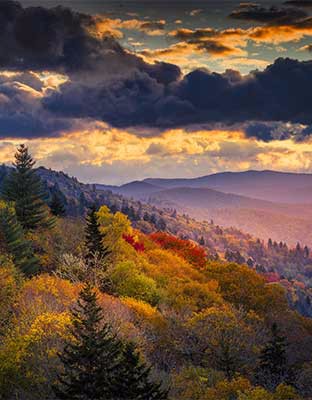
(225, 338)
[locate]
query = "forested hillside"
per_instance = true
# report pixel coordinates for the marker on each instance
(158, 317)
(277, 261)
(263, 203)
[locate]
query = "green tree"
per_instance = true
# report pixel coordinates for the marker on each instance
(97, 365)
(92, 358)
(94, 239)
(56, 206)
(23, 187)
(273, 368)
(14, 242)
(136, 383)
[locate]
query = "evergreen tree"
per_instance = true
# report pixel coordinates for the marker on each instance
(92, 359)
(94, 239)
(23, 187)
(273, 360)
(136, 383)
(161, 224)
(146, 217)
(14, 242)
(56, 206)
(83, 204)
(97, 365)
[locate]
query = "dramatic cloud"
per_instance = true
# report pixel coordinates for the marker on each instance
(117, 156)
(272, 15)
(270, 131)
(114, 27)
(39, 38)
(21, 112)
(299, 3)
(282, 92)
(105, 82)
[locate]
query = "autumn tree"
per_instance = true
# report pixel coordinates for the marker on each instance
(223, 338)
(23, 187)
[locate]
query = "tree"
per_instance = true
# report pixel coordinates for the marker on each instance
(56, 206)
(94, 239)
(23, 187)
(13, 241)
(273, 360)
(97, 365)
(223, 338)
(136, 383)
(93, 356)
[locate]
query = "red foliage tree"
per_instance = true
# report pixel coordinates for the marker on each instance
(192, 253)
(139, 247)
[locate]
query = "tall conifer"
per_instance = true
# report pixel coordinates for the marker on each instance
(273, 360)
(136, 383)
(56, 206)
(97, 365)
(14, 242)
(23, 187)
(92, 358)
(94, 239)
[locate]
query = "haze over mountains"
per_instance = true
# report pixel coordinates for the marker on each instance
(263, 203)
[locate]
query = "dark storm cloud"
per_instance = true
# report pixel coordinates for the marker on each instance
(272, 15)
(39, 38)
(268, 131)
(21, 113)
(60, 40)
(282, 92)
(108, 83)
(299, 3)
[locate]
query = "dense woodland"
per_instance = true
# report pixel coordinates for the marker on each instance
(107, 298)
(276, 261)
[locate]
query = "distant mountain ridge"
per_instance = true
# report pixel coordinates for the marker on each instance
(265, 185)
(273, 186)
(263, 203)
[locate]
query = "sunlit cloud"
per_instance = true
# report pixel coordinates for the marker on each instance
(116, 156)
(114, 27)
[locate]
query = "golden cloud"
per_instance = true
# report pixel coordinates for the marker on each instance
(196, 152)
(113, 27)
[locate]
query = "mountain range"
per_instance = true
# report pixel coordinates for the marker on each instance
(263, 203)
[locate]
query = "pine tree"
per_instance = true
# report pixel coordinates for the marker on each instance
(273, 360)
(14, 242)
(92, 359)
(202, 241)
(56, 206)
(23, 187)
(94, 239)
(136, 383)
(97, 365)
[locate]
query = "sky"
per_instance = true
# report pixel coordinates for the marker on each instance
(116, 91)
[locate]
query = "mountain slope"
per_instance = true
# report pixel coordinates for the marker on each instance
(265, 185)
